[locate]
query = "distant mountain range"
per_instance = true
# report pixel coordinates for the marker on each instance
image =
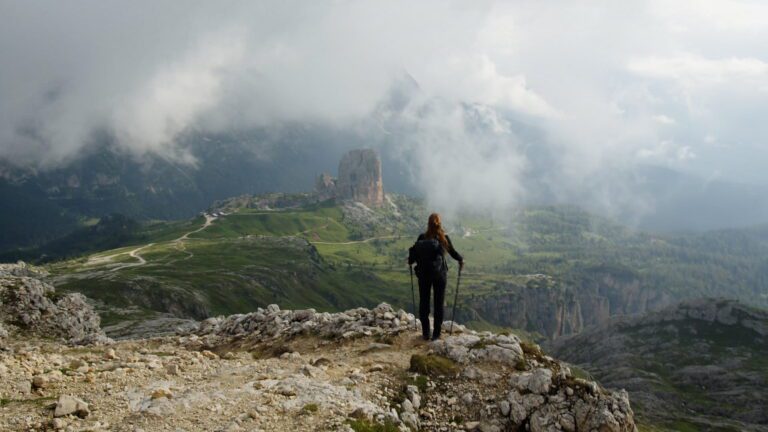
(40, 205)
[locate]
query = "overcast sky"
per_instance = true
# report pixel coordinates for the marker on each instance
(682, 84)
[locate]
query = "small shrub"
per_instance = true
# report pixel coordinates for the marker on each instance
(433, 365)
(578, 372)
(309, 408)
(420, 381)
(363, 425)
(521, 365)
(531, 349)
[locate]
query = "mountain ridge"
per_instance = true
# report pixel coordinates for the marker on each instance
(274, 369)
(699, 363)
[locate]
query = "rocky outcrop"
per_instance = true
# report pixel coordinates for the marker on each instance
(286, 370)
(31, 305)
(271, 323)
(540, 395)
(359, 179)
(537, 392)
(325, 187)
(700, 362)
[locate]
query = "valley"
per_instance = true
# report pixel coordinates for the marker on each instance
(550, 271)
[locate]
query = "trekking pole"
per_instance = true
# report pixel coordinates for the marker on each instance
(413, 298)
(455, 299)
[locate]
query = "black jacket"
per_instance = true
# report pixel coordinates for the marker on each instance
(451, 250)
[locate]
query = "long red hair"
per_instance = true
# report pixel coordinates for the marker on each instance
(435, 230)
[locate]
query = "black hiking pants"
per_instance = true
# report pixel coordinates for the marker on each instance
(427, 283)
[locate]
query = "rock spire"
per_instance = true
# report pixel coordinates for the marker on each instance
(359, 179)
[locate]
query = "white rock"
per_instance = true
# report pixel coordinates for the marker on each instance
(67, 405)
(410, 419)
(415, 400)
(408, 406)
(504, 408)
(538, 381)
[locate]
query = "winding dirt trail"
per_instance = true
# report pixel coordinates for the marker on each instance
(179, 242)
(134, 254)
(208, 221)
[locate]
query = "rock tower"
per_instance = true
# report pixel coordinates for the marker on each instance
(359, 179)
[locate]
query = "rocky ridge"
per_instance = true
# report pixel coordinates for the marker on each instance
(275, 370)
(700, 363)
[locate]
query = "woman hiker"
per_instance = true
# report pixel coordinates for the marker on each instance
(432, 271)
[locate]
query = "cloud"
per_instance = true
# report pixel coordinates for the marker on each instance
(481, 82)
(172, 98)
(579, 91)
(696, 70)
(466, 157)
(667, 150)
(665, 120)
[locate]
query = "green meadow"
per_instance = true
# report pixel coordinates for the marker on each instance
(326, 257)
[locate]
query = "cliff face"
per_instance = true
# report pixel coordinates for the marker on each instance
(541, 305)
(607, 294)
(700, 363)
(555, 309)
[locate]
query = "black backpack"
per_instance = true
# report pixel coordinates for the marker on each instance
(429, 257)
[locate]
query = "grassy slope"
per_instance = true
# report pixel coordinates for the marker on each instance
(253, 257)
